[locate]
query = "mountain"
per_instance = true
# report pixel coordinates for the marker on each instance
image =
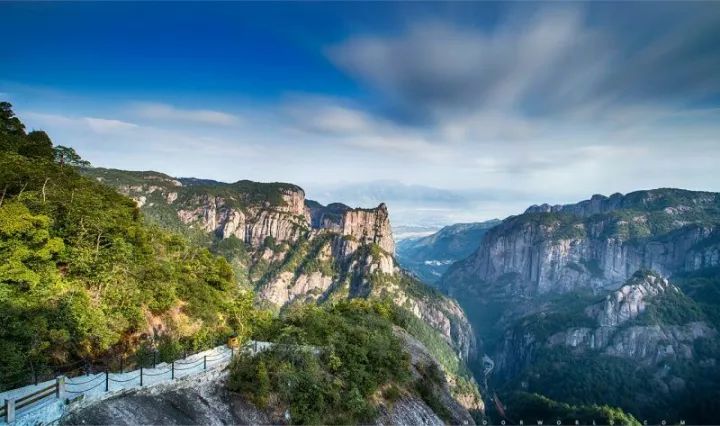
(430, 256)
(293, 251)
(575, 302)
(645, 347)
(598, 243)
(94, 279)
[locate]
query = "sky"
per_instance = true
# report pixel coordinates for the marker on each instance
(448, 112)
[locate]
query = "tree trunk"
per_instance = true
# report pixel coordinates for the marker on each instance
(3, 195)
(23, 189)
(97, 244)
(43, 188)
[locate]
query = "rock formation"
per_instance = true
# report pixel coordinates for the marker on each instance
(299, 250)
(596, 244)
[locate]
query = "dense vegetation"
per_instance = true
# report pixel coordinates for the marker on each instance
(704, 288)
(83, 277)
(329, 365)
(531, 407)
(682, 390)
(241, 194)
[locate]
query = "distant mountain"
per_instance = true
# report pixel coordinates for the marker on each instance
(430, 256)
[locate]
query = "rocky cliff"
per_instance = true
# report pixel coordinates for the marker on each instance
(597, 243)
(622, 325)
(563, 305)
(294, 250)
(646, 337)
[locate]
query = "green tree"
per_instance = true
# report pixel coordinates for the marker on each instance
(26, 247)
(66, 155)
(37, 145)
(9, 123)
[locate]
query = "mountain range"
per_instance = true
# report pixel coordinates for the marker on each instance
(107, 267)
(613, 300)
(293, 251)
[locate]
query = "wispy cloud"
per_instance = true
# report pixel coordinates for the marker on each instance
(165, 112)
(94, 124)
(551, 62)
(104, 125)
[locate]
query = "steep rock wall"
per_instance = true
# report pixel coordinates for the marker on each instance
(596, 244)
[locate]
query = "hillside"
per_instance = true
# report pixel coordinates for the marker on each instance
(430, 256)
(85, 281)
(580, 293)
(645, 347)
(290, 250)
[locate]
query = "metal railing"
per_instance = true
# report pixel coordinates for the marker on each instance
(97, 385)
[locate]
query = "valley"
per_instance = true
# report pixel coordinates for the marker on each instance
(608, 301)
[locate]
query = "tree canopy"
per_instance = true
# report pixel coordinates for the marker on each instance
(85, 280)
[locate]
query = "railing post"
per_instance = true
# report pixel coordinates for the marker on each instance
(205, 362)
(107, 381)
(141, 375)
(60, 387)
(255, 342)
(172, 377)
(154, 359)
(10, 410)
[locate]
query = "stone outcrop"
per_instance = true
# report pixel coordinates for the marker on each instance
(252, 223)
(646, 343)
(369, 226)
(615, 331)
(629, 301)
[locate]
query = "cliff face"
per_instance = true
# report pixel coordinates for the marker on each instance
(252, 224)
(596, 244)
(297, 250)
(647, 342)
(369, 227)
(562, 295)
(645, 332)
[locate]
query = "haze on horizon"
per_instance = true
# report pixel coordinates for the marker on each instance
(447, 111)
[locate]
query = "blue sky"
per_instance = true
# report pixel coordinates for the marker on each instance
(447, 111)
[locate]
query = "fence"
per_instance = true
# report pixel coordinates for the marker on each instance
(41, 403)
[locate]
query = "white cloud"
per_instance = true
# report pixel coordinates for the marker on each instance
(159, 111)
(552, 62)
(94, 124)
(104, 125)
